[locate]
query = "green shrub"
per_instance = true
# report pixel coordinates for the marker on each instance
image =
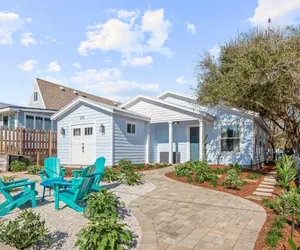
(27, 160)
(102, 203)
(131, 178)
(110, 175)
(26, 230)
(34, 169)
(7, 178)
(232, 180)
(276, 232)
(253, 175)
(185, 169)
(238, 168)
(125, 165)
(204, 173)
(139, 166)
(18, 166)
(286, 171)
(104, 234)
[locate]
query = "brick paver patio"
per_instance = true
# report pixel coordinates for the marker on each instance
(181, 216)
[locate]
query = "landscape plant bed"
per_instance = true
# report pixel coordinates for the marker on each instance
(242, 191)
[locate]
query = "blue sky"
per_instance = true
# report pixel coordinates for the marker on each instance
(117, 49)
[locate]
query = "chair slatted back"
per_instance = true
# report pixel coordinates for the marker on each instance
(52, 167)
(5, 192)
(100, 166)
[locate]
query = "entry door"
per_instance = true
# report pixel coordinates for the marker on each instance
(83, 144)
(194, 143)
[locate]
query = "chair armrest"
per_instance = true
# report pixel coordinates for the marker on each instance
(16, 181)
(63, 172)
(31, 183)
(77, 172)
(41, 173)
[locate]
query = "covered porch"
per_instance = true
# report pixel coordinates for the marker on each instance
(176, 141)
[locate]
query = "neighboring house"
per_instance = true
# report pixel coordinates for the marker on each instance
(45, 99)
(168, 128)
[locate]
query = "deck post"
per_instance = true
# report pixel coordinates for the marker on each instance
(170, 142)
(201, 139)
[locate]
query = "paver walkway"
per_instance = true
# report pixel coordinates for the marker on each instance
(182, 216)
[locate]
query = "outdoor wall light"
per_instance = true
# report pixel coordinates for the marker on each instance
(62, 131)
(175, 122)
(102, 129)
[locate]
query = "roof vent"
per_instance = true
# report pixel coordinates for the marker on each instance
(62, 88)
(75, 92)
(84, 96)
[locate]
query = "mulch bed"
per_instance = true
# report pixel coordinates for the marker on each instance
(247, 190)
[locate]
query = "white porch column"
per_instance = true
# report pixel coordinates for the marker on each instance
(148, 144)
(170, 142)
(201, 138)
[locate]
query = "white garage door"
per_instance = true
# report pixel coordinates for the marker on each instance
(83, 144)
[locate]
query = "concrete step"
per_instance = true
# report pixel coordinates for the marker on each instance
(266, 186)
(268, 190)
(268, 183)
(254, 197)
(262, 194)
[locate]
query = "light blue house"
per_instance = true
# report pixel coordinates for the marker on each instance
(168, 128)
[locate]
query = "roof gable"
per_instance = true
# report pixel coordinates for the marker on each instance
(56, 96)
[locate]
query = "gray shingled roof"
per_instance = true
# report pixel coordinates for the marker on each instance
(56, 96)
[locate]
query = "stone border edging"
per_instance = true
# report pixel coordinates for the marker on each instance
(149, 239)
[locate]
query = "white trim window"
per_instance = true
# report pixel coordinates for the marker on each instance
(230, 138)
(130, 128)
(8, 121)
(39, 122)
(35, 96)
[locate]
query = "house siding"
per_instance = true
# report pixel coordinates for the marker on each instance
(132, 147)
(179, 101)
(39, 103)
(158, 112)
(90, 114)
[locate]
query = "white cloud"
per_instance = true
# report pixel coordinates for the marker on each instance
(129, 37)
(137, 61)
(215, 51)
(27, 39)
(53, 67)
(274, 9)
(107, 60)
(109, 82)
(191, 27)
(129, 16)
(28, 65)
(28, 20)
(181, 80)
(9, 23)
(76, 65)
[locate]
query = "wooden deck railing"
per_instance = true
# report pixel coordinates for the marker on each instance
(28, 142)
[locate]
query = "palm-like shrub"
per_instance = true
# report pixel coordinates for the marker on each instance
(34, 169)
(18, 166)
(105, 234)
(185, 169)
(238, 168)
(125, 165)
(102, 204)
(286, 171)
(26, 230)
(131, 178)
(232, 180)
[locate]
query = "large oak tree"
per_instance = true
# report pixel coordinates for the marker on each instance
(259, 71)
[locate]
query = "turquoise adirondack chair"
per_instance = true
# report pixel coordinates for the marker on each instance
(11, 202)
(52, 169)
(74, 195)
(100, 162)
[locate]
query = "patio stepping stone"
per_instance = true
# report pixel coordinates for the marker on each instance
(262, 193)
(254, 197)
(264, 190)
(265, 186)
(268, 183)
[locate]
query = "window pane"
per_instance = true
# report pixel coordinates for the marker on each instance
(128, 128)
(5, 121)
(47, 124)
(35, 96)
(236, 131)
(224, 131)
(133, 128)
(29, 121)
(236, 145)
(12, 120)
(88, 131)
(39, 122)
(230, 145)
(76, 132)
(230, 131)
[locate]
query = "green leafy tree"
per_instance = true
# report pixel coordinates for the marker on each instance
(258, 71)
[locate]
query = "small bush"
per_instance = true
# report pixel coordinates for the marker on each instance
(104, 234)
(232, 180)
(7, 178)
(34, 169)
(27, 160)
(131, 178)
(286, 171)
(110, 175)
(184, 169)
(139, 166)
(102, 204)
(125, 165)
(26, 230)
(276, 232)
(238, 168)
(220, 170)
(253, 176)
(18, 166)
(203, 173)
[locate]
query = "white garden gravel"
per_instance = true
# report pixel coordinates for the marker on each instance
(66, 223)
